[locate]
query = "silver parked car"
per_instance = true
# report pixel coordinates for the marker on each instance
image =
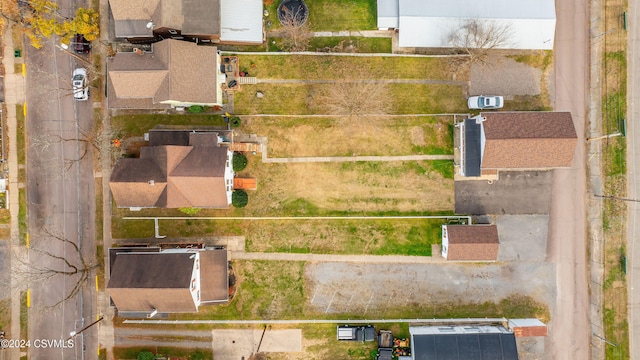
(80, 86)
(485, 102)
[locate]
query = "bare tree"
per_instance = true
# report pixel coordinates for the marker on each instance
(352, 97)
(52, 264)
(295, 29)
(476, 38)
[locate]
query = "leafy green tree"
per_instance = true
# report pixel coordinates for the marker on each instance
(146, 355)
(239, 198)
(239, 162)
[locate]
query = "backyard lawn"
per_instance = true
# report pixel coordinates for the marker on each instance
(337, 67)
(337, 15)
(299, 136)
(302, 99)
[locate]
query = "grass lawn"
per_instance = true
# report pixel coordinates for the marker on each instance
(5, 221)
(22, 215)
(21, 135)
(337, 15)
(125, 353)
(298, 137)
(300, 99)
(359, 44)
(338, 67)
(5, 316)
(137, 125)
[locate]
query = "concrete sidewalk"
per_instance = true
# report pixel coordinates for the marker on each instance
(14, 87)
(368, 259)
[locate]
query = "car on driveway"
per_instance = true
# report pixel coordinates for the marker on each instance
(80, 86)
(483, 102)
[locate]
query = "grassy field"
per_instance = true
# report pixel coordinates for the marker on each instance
(21, 135)
(298, 137)
(351, 43)
(5, 316)
(614, 110)
(337, 15)
(296, 98)
(22, 215)
(121, 353)
(305, 67)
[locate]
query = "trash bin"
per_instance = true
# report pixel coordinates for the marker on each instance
(16, 53)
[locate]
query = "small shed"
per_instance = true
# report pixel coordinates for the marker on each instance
(528, 327)
(470, 242)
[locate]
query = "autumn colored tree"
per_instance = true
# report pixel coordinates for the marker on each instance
(40, 20)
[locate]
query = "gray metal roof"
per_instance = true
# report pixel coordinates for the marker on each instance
(241, 21)
(465, 347)
(472, 148)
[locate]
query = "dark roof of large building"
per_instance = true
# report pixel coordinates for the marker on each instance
(140, 282)
(173, 176)
(151, 270)
(528, 140)
(472, 148)
(465, 347)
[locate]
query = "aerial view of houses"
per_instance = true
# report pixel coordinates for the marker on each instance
(303, 179)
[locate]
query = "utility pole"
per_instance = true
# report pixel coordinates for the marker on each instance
(75, 333)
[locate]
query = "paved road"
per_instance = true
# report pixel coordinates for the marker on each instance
(633, 174)
(569, 327)
(60, 203)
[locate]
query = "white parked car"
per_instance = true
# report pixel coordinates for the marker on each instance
(80, 86)
(485, 102)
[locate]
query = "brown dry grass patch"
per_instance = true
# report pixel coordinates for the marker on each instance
(351, 187)
(301, 137)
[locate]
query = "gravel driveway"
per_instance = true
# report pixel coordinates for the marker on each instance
(504, 76)
(372, 289)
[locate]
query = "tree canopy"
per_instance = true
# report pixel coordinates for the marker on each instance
(41, 20)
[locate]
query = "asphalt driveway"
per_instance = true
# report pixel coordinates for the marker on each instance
(516, 192)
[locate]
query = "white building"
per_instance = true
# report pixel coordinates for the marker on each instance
(430, 23)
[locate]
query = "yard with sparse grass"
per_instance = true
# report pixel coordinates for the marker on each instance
(298, 137)
(297, 98)
(137, 125)
(326, 67)
(614, 217)
(339, 15)
(280, 290)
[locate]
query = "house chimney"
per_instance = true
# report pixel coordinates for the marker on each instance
(138, 51)
(152, 182)
(480, 119)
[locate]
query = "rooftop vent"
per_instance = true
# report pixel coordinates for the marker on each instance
(152, 182)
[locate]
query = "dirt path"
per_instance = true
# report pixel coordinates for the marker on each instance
(569, 327)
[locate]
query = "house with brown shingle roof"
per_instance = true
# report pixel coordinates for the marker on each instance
(200, 21)
(470, 242)
(168, 281)
(495, 141)
(175, 73)
(193, 171)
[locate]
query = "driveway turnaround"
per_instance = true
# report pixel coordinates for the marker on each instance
(515, 192)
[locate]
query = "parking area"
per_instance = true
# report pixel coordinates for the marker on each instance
(375, 289)
(522, 237)
(515, 192)
(241, 344)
